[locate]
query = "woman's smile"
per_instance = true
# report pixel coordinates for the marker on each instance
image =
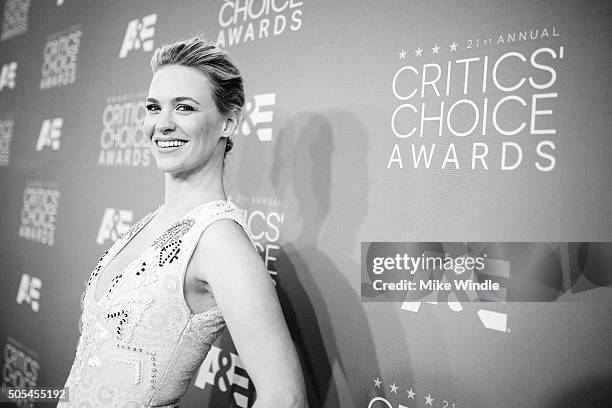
(169, 145)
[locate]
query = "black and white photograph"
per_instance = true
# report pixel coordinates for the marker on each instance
(306, 204)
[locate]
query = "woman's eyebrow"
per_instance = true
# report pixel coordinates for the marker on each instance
(177, 99)
(183, 98)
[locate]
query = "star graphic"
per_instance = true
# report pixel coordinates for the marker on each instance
(402, 54)
(428, 400)
(453, 46)
(394, 388)
(435, 49)
(411, 393)
(377, 382)
(418, 52)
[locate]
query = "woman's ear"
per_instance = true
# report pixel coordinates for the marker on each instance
(230, 125)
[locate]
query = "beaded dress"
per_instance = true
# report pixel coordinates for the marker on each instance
(140, 344)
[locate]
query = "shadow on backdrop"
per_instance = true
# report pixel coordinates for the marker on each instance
(324, 314)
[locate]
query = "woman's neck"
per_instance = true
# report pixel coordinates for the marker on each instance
(185, 193)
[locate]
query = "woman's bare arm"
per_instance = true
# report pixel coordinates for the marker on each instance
(245, 293)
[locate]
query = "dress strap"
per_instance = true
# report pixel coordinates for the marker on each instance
(209, 213)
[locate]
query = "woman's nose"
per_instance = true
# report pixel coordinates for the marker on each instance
(165, 123)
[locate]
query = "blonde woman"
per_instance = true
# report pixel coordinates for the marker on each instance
(164, 292)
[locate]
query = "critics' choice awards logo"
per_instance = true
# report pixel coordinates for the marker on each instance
(19, 370)
(258, 116)
(491, 108)
(224, 371)
(264, 225)
(114, 224)
(122, 141)
(50, 133)
(29, 291)
(60, 59)
(15, 18)
(139, 35)
(40, 204)
(408, 396)
(242, 21)
(7, 75)
(6, 134)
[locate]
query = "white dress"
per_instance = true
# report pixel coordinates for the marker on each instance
(140, 345)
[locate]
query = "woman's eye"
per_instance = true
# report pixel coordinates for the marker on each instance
(184, 108)
(152, 108)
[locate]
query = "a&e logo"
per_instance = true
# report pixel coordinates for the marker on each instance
(223, 370)
(114, 224)
(139, 34)
(7, 76)
(490, 319)
(257, 116)
(29, 291)
(50, 133)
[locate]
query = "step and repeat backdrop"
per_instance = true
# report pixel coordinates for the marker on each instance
(441, 123)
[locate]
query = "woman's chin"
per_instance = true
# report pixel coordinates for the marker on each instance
(176, 171)
(165, 167)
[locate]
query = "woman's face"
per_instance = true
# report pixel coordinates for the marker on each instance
(182, 126)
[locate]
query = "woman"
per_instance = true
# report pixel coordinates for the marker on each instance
(164, 292)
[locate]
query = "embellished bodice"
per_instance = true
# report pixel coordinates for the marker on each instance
(140, 344)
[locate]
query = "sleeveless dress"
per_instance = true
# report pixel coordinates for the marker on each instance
(140, 344)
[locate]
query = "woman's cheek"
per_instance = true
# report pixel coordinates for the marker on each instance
(147, 129)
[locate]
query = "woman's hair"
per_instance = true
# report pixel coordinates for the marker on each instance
(224, 77)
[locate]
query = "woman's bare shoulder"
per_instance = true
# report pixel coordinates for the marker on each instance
(224, 243)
